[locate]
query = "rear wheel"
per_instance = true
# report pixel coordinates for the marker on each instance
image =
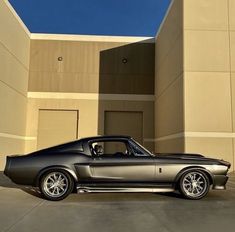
(194, 185)
(56, 185)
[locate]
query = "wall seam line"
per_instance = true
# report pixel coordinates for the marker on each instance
(14, 56)
(91, 73)
(171, 83)
(14, 136)
(170, 49)
(15, 90)
(230, 66)
(91, 96)
(206, 71)
(225, 135)
(183, 76)
(197, 29)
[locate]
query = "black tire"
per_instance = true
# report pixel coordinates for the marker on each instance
(194, 184)
(55, 185)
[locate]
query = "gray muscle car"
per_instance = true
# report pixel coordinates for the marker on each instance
(115, 164)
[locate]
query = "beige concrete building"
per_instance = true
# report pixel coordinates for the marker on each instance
(174, 93)
(194, 79)
(14, 74)
(83, 87)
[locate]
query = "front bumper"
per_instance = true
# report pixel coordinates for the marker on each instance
(219, 182)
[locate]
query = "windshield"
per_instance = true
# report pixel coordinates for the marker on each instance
(143, 148)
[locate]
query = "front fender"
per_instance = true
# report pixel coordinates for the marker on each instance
(194, 168)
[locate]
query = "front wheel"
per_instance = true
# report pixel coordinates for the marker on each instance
(56, 185)
(194, 185)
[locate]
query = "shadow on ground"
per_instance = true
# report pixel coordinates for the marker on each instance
(5, 182)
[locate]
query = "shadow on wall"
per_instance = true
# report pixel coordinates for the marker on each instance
(126, 71)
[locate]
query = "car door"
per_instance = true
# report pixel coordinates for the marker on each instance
(118, 163)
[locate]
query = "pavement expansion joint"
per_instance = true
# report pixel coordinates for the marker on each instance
(23, 216)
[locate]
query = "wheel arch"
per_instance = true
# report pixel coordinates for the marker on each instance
(55, 167)
(193, 168)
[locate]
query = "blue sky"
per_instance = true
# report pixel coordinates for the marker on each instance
(92, 17)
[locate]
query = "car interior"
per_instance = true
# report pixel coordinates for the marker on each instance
(110, 148)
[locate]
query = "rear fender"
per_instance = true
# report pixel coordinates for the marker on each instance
(51, 168)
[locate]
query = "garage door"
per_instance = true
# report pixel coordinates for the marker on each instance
(124, 123)
(56, 126)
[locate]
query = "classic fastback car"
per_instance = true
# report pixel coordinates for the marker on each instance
(115, 164)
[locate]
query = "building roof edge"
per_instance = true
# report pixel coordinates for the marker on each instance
(12, 10)
(94, 38)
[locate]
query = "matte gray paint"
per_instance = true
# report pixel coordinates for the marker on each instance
(129, 171)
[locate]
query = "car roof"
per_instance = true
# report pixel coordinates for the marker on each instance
(76, 142)
(106, 137)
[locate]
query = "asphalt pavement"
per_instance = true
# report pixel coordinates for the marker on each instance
(23, 209)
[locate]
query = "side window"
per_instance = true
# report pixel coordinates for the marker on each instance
(101, 148)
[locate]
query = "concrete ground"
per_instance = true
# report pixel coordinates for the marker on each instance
(22, 209)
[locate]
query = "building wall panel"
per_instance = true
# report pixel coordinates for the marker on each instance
(170, 145)
(12, 35)
(169, 110)
(231, 15)
(209, 85)
(56, 127)
(169, 106)
(14, 67)
(206, 15)
(91, 116)
(124, 123)
(206, 51)
(221, 148)
(92, 67)
(207, 102)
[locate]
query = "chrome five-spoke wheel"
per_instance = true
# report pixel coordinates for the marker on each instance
(194, 184)
(56, 185)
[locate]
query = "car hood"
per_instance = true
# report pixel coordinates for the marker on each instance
(193, 157)
(179, 156)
